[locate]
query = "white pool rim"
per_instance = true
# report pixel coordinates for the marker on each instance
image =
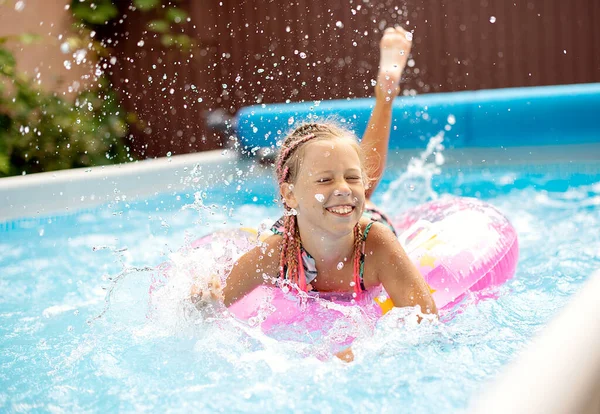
(66, 191)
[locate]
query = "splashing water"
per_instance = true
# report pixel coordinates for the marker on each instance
(413, 187)
(156, 352)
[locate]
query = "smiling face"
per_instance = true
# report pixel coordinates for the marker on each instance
(329, 189)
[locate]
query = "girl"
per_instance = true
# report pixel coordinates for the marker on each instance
(332, 238)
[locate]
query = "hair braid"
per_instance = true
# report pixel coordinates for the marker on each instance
(290, 250)
(358, 251)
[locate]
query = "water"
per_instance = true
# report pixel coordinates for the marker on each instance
(56, 354)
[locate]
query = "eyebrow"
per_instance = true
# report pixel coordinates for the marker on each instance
(352, 170)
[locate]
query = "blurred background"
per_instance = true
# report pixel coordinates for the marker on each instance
(94, 82)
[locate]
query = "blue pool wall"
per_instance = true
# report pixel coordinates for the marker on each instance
(547, 115)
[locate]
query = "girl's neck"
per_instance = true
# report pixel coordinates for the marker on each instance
(326, 248)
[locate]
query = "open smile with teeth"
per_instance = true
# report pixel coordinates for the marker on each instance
(341, 210)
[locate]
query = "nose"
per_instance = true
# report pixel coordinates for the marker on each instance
(342, 189)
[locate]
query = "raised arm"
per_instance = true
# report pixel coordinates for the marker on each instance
(395, 46)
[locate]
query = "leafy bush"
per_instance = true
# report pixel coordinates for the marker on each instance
(40, 131)
(169, 18)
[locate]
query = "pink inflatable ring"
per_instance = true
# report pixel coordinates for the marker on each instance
(459, 245)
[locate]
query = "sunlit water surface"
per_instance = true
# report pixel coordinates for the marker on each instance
(65, 349)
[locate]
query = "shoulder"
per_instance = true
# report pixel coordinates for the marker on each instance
(378, 236)
(274, 241)
(269, 247)
(264, 255)
(382, 250)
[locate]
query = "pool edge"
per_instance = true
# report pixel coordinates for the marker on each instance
(75, 189)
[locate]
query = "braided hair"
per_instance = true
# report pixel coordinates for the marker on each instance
(287, 166)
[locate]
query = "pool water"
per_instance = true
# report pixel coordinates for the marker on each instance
(65, 347)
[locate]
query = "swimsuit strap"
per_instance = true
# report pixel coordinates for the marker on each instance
(308, 269)
(361, 262)
(366, 231)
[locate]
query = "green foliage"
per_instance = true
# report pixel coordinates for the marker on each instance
(146, 5)
(40, 131)
(96, 13)
(176, 15)
(159, 26)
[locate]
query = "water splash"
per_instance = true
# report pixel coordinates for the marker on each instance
(413, 187)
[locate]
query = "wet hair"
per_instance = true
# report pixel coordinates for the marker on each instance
(287, 167)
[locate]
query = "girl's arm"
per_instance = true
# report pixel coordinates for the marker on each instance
(247, 272)
(375, 141)
(394, 49)
(395, 271)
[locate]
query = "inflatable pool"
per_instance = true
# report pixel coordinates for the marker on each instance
(459, 245)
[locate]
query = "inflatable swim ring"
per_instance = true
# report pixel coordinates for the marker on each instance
(459, 245)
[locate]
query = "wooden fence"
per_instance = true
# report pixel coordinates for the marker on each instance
(264, 51)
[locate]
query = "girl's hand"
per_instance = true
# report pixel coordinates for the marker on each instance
(395, 47)
(208, 298)
(346, 355)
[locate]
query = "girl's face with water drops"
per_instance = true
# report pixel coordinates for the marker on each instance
(329, 192)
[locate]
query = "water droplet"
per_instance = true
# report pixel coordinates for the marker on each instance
(409, 36)
(320, 197)
(140, 43)
(451, 119)
(64, 47)
(492, 19)
(340, 265)
(80, 56)
(19, 6)
(302, 55)
(339, 24)
(290, 120)
(439, 158)
(291, 212)
(67, 64)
